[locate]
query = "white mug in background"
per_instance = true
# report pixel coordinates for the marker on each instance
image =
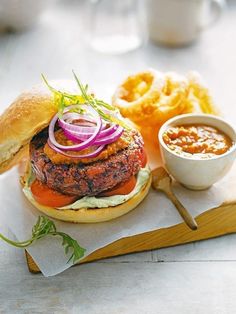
(21, 14)
(179, 22)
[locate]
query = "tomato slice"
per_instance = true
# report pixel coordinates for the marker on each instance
(128, 186)
(143, 158)
(122, 188)
(48, 197)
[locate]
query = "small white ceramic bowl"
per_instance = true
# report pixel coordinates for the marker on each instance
(198, 174)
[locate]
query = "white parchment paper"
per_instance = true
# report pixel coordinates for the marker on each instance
(155, 212)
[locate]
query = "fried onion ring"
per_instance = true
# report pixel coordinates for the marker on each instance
(150, 98)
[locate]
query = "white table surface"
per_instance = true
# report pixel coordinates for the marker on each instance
(193, 278)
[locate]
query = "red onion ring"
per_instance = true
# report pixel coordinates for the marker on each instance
(75, 116)
(83, 135)
(76, 147)
(110, 138)
(71, 137)
(81, 129)
(90, 155)
(74, 127)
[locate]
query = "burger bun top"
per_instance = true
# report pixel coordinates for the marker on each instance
(30, 113)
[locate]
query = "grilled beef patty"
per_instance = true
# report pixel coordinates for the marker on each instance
(86, 179)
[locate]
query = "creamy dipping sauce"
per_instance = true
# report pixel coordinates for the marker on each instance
(197, 141)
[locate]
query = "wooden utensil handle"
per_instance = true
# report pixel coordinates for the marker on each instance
(189, 220)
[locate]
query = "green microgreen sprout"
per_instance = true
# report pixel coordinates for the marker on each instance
(63, 99)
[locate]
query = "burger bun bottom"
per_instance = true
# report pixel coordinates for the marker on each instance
(93, 215)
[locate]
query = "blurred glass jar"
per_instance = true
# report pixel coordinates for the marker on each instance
(116, 26)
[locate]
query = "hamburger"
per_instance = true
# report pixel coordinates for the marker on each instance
(85, 163)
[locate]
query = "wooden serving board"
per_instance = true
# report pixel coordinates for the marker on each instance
(212, 223)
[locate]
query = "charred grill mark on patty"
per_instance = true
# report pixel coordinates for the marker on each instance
(86, 179)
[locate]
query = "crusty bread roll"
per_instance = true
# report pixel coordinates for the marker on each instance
(93, 215)
(28, 114)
